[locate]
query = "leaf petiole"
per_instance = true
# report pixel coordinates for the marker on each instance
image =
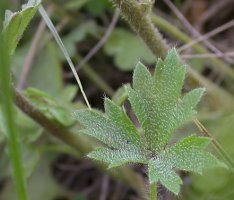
(153, 191)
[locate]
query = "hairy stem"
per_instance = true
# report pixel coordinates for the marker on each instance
(141, 22)
(153, 191)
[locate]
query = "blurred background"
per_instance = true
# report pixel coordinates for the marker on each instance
(105, 51)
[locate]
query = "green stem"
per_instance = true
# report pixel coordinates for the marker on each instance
(153, 191)
(9, 114)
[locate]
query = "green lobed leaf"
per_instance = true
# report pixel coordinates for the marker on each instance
(109, 128)
(160, 108)
(119, 157)
(120, 118)
(16, 23)
(188, 154)
(156, 102)
(160, 171)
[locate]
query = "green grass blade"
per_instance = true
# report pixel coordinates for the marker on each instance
(8, 110)
(63, 49)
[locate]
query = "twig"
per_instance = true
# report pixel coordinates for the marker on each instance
(208, 55)
(54, 128)
(31, 55)
(194, 32)
(207, 35)
(217, 64)
(96, 48)
(213, 10)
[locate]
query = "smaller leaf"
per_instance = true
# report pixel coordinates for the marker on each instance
(99, 126)
(119, 157)
(142, 79)
(16, 23)
(188, 155)
(51, 108)
(161, 171)
(117, 115)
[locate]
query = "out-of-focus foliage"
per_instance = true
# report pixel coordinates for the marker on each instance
(41, 184)
(127, 50)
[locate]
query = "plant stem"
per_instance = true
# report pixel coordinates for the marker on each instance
(9, 116)
(153, 191)
(142, 24)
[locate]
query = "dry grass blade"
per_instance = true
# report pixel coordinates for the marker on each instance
(208, 35)
(216, 144)
(64, 50)
(194, 32)
(207, 55)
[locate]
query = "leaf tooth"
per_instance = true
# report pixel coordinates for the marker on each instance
(142, 79)
(99, 126)
(193, 97)
(188, 154)
(172, 59)
(161, 171)
(118, 157)
(118, 116)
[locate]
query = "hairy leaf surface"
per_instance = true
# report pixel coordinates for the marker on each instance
(160, 108)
